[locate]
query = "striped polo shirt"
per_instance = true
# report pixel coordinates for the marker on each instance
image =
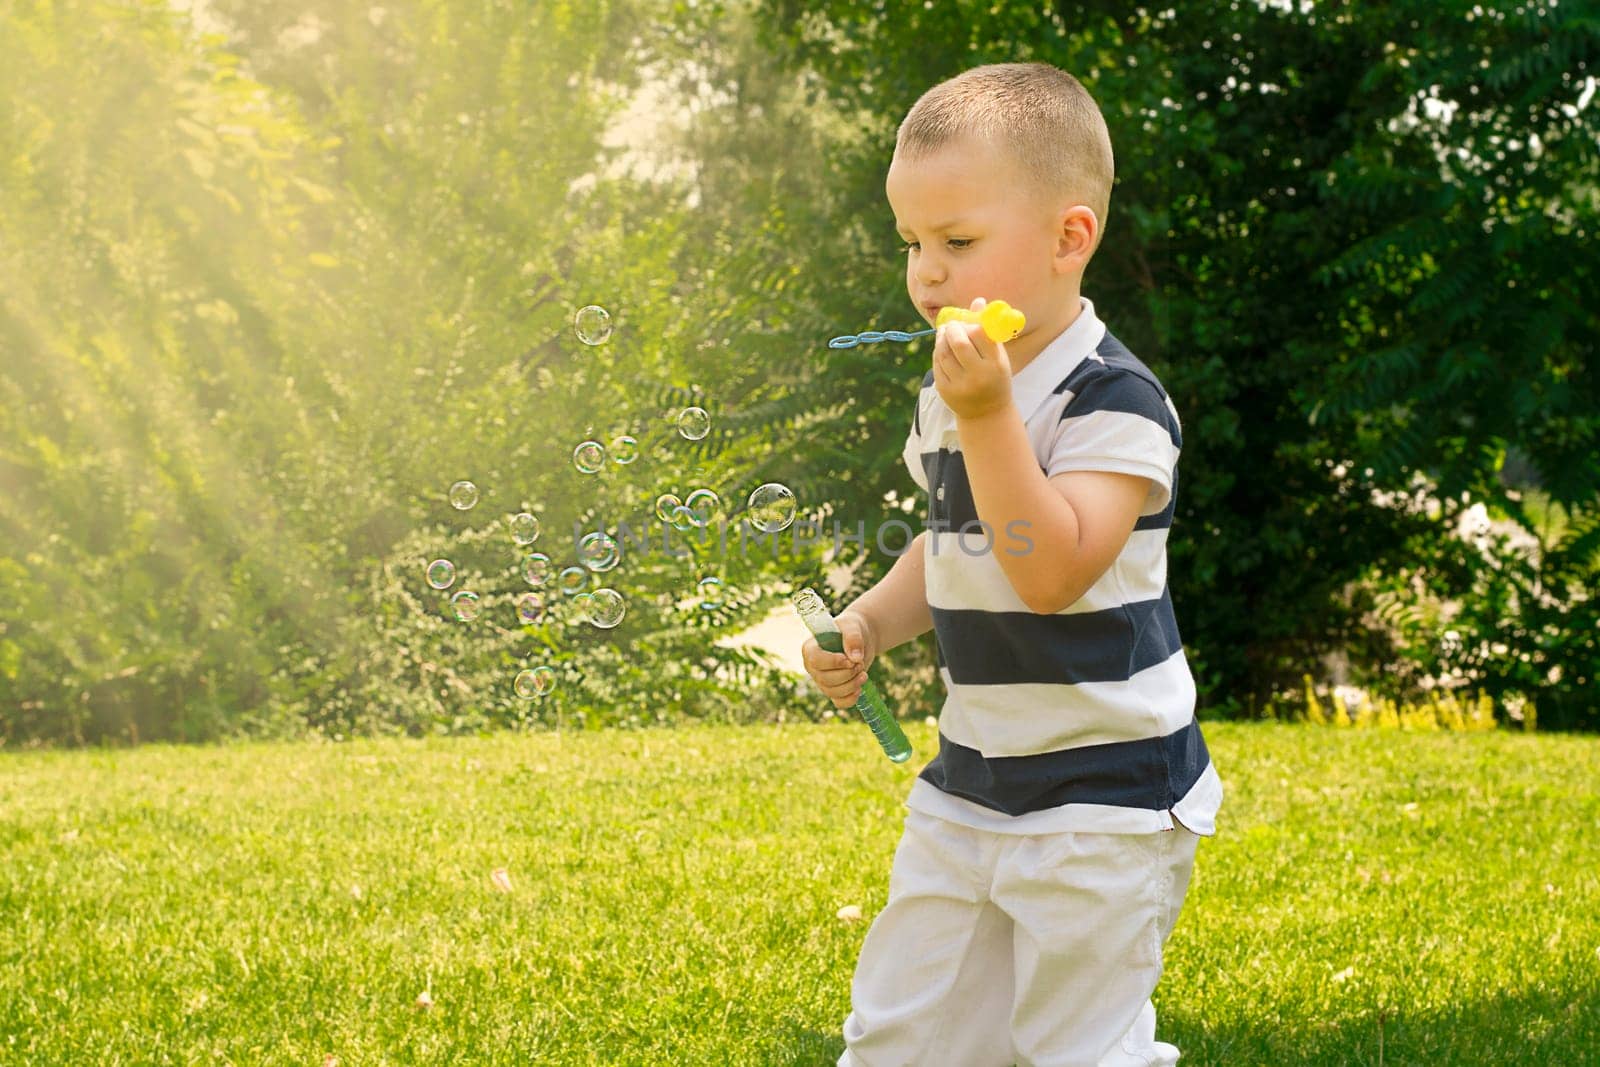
(1083, 719)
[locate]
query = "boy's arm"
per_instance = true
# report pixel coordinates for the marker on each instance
(896, 609)
(1070, 527)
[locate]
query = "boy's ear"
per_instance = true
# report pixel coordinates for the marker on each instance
(1077, 231)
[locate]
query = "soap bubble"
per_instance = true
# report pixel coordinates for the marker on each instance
(694, 423)
(524, 528)
(573, 580)
(710, 593)
(536, 569)
(666, 504)
(441, 574)
(592, 324)
(465, 606)
(463, 495)
(682, 519)
(606, 608)
(535, 683)
(624, 449)
(771, 507)
(703, 505)
(530, 608)
(589, 456)
(598, 551)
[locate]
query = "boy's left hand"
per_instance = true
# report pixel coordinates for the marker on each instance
(971, 372)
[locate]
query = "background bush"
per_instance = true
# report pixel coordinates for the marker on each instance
(275, 276)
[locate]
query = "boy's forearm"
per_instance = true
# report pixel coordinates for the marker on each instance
(896, 609)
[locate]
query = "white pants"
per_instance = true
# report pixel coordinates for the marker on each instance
(1041, 950)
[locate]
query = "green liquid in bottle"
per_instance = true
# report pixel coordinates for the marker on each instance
(870, 705)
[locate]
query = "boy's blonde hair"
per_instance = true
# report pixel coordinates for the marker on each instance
(1041, 114)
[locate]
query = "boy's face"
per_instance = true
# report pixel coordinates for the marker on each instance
(975, 226)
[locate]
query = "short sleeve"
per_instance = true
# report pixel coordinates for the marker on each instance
(912, 454)
(1119, 422)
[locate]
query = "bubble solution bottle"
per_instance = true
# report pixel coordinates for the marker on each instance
(870, 705)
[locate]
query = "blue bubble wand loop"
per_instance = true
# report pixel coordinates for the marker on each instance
(850, 340)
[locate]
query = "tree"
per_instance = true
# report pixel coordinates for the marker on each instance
(271, 287)
(1348, 238)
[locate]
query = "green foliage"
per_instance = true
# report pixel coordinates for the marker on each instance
(1440, 711)
(1344, 290)
(273, 276)
(258, 314)
(1508, 606)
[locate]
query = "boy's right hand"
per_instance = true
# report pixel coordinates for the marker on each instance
(840, 676)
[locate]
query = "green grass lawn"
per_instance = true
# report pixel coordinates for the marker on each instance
(674, 894)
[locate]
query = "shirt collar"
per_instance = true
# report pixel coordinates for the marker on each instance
(1038, 380)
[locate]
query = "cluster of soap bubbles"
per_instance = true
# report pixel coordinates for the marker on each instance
(590, 455)
(442, 573)
(694, 512)
(597, 552)
(771, 509)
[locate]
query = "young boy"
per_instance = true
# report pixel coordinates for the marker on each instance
(1048, 845)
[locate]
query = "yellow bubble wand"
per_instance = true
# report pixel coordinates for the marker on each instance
(1000, 321)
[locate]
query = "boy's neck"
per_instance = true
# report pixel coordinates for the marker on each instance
(1025, 349)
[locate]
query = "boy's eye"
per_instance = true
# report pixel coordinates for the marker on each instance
(954, 242)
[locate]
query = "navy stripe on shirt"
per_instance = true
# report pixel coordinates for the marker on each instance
(1022, 647)
(1161, 520)
(1152, 773)
(1119, 389)
(1115, 385)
